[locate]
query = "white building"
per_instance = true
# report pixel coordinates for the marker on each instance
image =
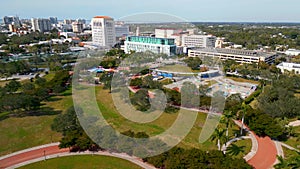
(155, 45)
(103, 31)
(41, 25)
(240, 56)
(166, 32)
(206, 41)
(291, 67)
(292, 52)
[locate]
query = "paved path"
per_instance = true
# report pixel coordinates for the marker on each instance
(294, 123)
(265, 156)
(49, 151)
(29, 154)
(254, 142)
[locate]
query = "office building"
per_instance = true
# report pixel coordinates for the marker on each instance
(103, 31)
(290, 67)
(40, 24)
(240, 56)
(77, 27)
(205, 41)
(155, 45)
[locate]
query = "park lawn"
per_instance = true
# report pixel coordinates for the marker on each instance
(83, 161)
(61, 102)
(3, 83)
(238, 79)
(158, 126)
(248, 145)
(294, 141)
(18, 133)
(176, 68)
(254, 104)
(49, 76)
(25, 132)
(289, 153)
(121, 124)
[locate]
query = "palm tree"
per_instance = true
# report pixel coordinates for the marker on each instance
(227, 119)
(235, 150)
(219, 137)
(282, 163)
(244, 108)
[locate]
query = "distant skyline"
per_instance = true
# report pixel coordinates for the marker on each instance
(191, 10)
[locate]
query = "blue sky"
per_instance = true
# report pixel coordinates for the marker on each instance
(191, 10)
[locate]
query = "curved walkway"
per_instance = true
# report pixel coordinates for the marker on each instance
(265, 156)
(294, 123)
(49, 151)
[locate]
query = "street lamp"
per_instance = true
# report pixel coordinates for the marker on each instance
(44, 155)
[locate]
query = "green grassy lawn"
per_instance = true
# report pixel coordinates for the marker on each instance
(82, 162)
(248, 145)
(294, 141)
(238, 79)
(153, 128)
(254, 104)
(3, 83)
(19, 133)
(289, 153)
(178, 68)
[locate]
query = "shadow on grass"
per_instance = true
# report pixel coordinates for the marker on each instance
(53, 99)
(45, 111)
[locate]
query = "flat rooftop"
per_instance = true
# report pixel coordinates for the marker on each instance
(235, 52)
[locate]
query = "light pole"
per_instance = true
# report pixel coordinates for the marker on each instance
(44, 155)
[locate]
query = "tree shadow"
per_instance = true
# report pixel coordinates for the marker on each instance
(53, 99)
(44, 111)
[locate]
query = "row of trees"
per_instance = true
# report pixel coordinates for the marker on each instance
(20, 97)
(252, 37)
(194, 158)
(10, 68)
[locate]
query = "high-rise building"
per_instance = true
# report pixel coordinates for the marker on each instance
(206, 41)
(103, 31)
(77, 27)
(82, 21)
(41, 25)
(68, 21)
(14, 20)
(53, 20)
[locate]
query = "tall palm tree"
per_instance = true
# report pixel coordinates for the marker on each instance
(219, 137)
(227, 119)
(235, 150)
